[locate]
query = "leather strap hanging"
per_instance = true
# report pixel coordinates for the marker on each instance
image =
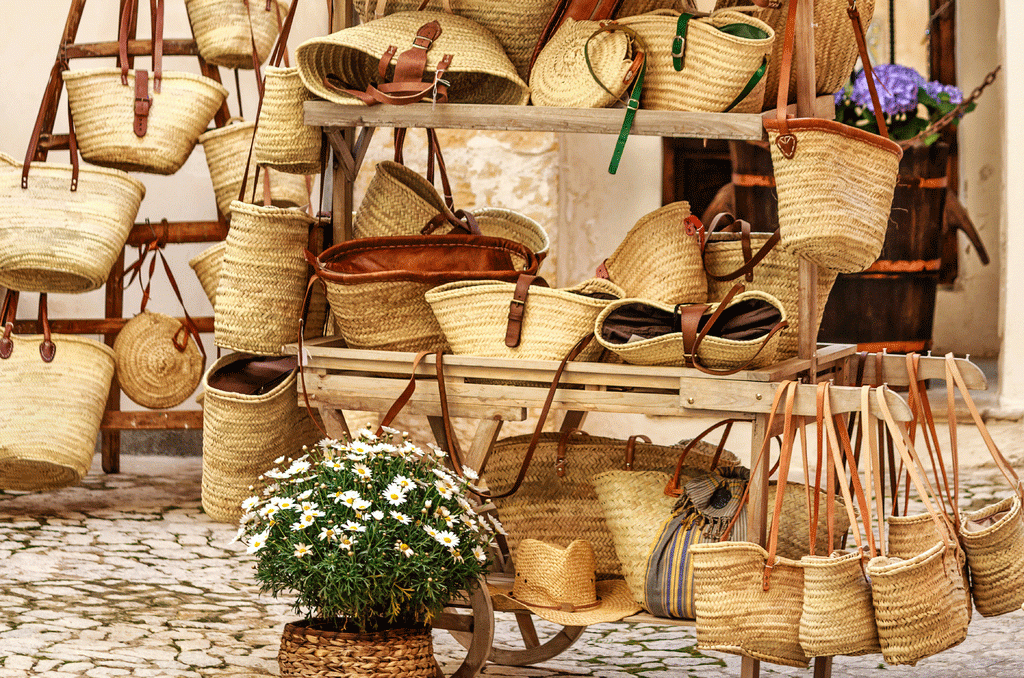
(143, 99)
(517, 308)
(577, 10)
(673, 488)
(727, 223)
(8, 312)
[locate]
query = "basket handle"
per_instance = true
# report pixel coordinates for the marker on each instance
(673, 489)
(517, 307)
(8, 313)
(59, 66)
(750, 258)
(382, 6)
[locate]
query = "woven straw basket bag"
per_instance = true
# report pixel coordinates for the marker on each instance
(226, 151)
(50, 412)
(283, 142)
(560, 76)
(835, 47)
(207, 264)
(227, 31)
(310, 648)
(150, 369)
(480, 73)
(716, 69)
(53, 239)
(262, 279)
(242, 435)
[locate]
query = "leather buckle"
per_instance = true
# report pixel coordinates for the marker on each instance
(633, 104)
(415, 42)
(142, 105)
(678, 47)
(634, 68)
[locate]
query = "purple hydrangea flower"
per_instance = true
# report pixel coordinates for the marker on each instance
(936, 88)
(897, 89)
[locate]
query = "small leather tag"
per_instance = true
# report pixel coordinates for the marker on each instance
(47, 349)
(602, 271)
(787, 144)
(6, 348)
(142, 102)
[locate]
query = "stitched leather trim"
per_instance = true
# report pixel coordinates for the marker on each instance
(905, 266)
(832, 127)
(753, 180)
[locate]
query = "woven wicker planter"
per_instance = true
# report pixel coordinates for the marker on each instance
(222, 29)
(309, 648)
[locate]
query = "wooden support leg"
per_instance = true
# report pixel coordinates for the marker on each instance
(822, 667)
(334, 422)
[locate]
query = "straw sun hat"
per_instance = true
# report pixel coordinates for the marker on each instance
(558, 584)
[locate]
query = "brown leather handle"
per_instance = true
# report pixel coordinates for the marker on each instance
(517, 307)
(8, 314)
(673, 489)
(750, 259)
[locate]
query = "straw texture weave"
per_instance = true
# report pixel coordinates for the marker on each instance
(386, 316)
(838, 617)
(834, 193)
(262, 279)
(716, 68)
(835, 47)
(53, 239)
(658, 260)
(560, 76)
(50, 413)
(994, 555)
(480, 72)
(913, 534)
(223, 34)
(227, 149)
(151, 371)
(777, 274)
(308, 652)
(283, 142)
(104, 113)
(632, 7)
(207, 264)
(242, 435)
(560, 510)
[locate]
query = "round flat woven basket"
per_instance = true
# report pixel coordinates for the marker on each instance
(227, 149)
(480, 73)
(51, 412)
(560, 76)
(223, 34)
(309, 648)
(717, 66)
(207, 264)
(151, 371)
(104, 114)
(262, 279)
(53, 239)
(283, 142)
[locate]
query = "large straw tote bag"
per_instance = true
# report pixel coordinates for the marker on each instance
(556, 501)
(922, 604)
(660, 258)
(734, 253)
(207, 264)
(724, 61)
(283, 142)
(561, 77)
(226, 150)
(126, 122)
(341, 65)
(835, 47)
(525, 319)
(835, 183)
(53, 392)
(250, 418)
(517, 26)
(228, 31)
(262, 279)
(376, 286)
(62, 227)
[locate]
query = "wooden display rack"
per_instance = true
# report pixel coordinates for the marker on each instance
(114, 420)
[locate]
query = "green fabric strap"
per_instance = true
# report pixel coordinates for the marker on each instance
(679, 42)
(627, 122)
(751, 84)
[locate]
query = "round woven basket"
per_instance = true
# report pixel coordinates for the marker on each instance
(560, 76)
(835, 47)
(227, 149)
(104, 114)
(262, 279)
(283, 142)
(658, 260)
(53, 239)
(474, 314)
(51, 412)
(151, 371)
(716, 68)
(480, 73)
(308, 649)
(777, 274)
(242, 435)
(223, 34)
(207, 265)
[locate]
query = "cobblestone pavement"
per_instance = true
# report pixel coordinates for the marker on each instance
(125, 575)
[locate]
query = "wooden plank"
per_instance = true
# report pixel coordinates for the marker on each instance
(105, 326)
(807, 340)
(334, 421)
(644, 618)
(177, 232)
(91, 50)
(757, 399)
(894, 370)
(148, 420)
(804, 60)
(451, 621)
(479, 450)
(537, 119)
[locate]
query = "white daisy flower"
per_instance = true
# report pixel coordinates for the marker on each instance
(443, 512)
(378, 515)
(456, 555)
(268, 510)
(441, 473)
(334, 464)
(285, 503)
(401, 517)
(238, 535)
(308, 518)
(279, 460)
(298, 526)
(402, 482)
(246, 518)
(470, 473)
(359, 447)
(394, 495)
(346, 543)
(277, 475)
(496, 525)
(301, 550)
(298, 466)
(362, 471)
(464, 503)
(404, 549)
(250, 503)
(361, 504)
(349, 498)
(258, 541)
(431, 531)
(353, 526)
(309, 506)
(328, 533)
(447, 538)
(303, 496)
(444, 489)
(479, 554)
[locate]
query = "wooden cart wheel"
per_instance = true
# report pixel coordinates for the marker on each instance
(534, 649)
(474, 631)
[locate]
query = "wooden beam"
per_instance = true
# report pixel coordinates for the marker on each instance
(95, 50)
(176, 419)
(177, 232)
(105, 326)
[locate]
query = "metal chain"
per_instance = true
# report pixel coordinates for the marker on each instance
(955, 113)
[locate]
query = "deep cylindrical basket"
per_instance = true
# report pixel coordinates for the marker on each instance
(838, 617)
(716, 68)
(309, 650)
(207, 265)
(658, 259)
(150, 369)
(104, 114)
(223, 34)
(777, 274)
(993, 539)
(53, 239)
(283, 142)
(262, 279)
(50, 413)
(913, 534)
(242, 435)
(834, 192)
(227, 149)
(835, 47)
